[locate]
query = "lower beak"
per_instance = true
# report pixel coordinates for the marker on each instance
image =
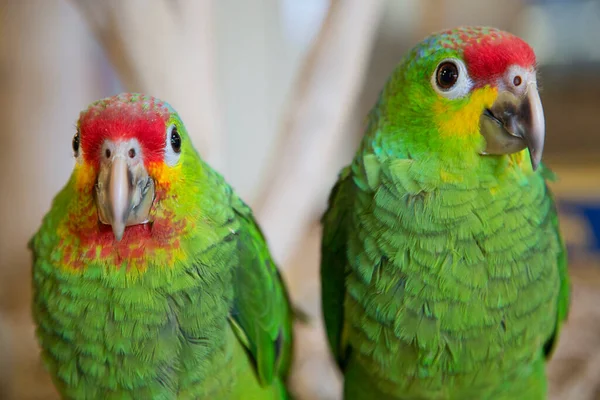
(515, 123)
(124, 194)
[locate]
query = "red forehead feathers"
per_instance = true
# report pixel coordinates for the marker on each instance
(490, 58)
(488, 52)
(493, 54)
(125, 116)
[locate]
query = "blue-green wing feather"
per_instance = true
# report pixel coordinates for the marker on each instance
(261, 315)
(564, 296)
(333, 264)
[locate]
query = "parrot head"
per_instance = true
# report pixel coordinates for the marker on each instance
(467, 94)
(133, 158)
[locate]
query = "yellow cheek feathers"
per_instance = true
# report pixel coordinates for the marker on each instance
(461, 117)
(163, 174)
(85, 177)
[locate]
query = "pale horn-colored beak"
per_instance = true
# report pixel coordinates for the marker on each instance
(514, 123)
(124, 190)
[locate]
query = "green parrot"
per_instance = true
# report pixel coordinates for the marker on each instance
(444, 275)
(151, 278)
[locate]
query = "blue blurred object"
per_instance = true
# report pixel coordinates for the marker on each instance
(544, 2)
(590, 213)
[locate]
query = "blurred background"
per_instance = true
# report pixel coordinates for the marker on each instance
(275, 94)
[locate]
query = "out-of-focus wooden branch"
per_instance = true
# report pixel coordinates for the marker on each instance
(584, 385)
(573, 368)
(166, 50)
(6, 360)
(322, 101)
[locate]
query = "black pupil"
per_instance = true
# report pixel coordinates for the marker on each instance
(175, 140)
(447, 75)
(76, 143)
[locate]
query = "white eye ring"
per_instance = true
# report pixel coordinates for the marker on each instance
(171, 156)
(463, 83)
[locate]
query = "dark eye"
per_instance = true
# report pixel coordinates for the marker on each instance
(446, 75)
(75, 143)
(175, 140)
(517, 80)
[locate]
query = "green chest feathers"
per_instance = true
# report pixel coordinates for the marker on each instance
(451, 284)
(165, 342)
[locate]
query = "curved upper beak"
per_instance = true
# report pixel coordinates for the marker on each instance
(514, 123)
(124, 191)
